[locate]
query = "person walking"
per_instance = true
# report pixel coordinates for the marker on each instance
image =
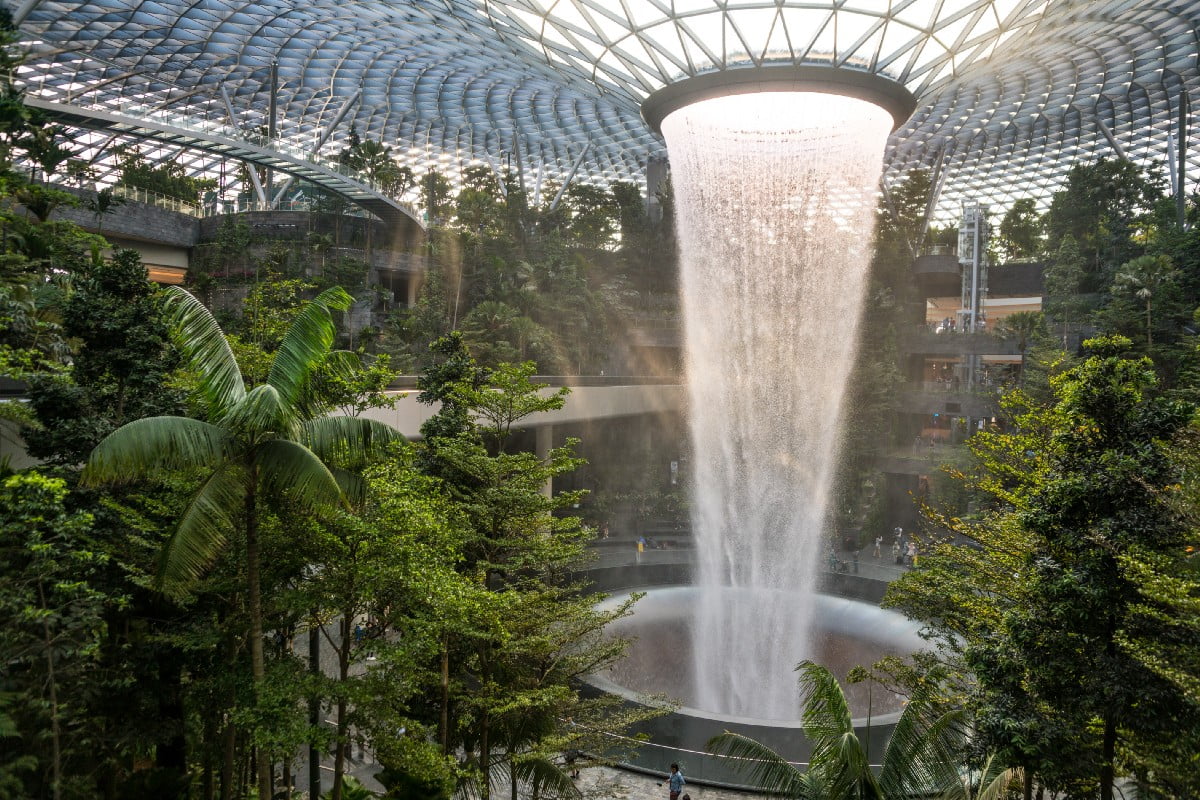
(878, 546)
(675, 782)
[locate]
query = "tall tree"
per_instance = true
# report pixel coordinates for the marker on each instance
(389, 566)
(1021, 230)
(52, 623)
(1147, 278)
(515, 674)
(265, 443)
(1102, 206)
(1077, 490)
(120, 366)
(1063, 278)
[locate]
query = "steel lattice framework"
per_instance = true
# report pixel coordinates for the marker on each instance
(1010, 92)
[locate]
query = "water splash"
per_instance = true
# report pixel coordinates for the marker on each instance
(774, 198)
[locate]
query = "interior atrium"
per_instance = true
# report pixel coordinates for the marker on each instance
(1009, 92)
(372, 379)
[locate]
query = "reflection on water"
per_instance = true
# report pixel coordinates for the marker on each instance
(845, 634)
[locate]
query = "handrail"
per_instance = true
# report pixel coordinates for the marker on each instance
(139, 195)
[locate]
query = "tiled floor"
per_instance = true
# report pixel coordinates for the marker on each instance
(599, 783)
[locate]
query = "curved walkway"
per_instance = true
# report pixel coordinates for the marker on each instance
(222, 140)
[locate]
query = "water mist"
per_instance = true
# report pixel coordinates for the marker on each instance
(774, 197)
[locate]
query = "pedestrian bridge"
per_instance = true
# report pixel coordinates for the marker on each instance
(584, 403)
(221, 139)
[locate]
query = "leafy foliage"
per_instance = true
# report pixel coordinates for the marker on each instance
(167, 179)
(920, 758)
(1037, 609)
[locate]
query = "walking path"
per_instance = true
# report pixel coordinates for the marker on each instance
(607, 782)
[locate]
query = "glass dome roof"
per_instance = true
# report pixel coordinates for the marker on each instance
(1010, 92)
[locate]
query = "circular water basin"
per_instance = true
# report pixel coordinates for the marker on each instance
(845, 633)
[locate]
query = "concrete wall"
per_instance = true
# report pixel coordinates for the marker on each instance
(138, 222)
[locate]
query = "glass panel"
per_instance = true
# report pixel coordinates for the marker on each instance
(754, 26)
(777, 46)
(804, 26)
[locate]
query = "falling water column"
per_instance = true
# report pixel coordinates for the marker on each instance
(774, 197)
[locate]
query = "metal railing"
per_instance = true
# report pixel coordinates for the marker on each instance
(217, 208)
(148, 197)
(213, 123)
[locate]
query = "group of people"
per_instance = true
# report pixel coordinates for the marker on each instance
(904, 552)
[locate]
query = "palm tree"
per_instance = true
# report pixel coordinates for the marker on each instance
(919, 760)
(262, 443)
(101, 204)
(1145, 278)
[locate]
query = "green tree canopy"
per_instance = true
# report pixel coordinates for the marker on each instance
(268, 442)
(1039, 607)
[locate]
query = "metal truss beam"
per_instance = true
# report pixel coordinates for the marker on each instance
(357, 192)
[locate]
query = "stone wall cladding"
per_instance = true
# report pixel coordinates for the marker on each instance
(132, 220)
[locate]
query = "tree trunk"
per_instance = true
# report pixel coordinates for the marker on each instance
(1107, 770)
(1028, 783)
(444, 722)
(228, 760)
(52, 681)
(1149, 340)
(512, 779)
(262, 760)
(171, 753)
(314, 711)
(207, 784)
(120, 412)
(485, 756)
(340, 741)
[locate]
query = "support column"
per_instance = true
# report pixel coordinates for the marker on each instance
(570, 177)
(272, 112)
(542, 447)
(1185, 109)
(414, 286)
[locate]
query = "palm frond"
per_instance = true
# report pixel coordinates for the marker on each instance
(350, 439)
(826, 712)
(922, 753)
(306, 344)
(262, 411)
(343, 363)
(205, 350)
(844, 769)
(546, 779)
(761, 766)
(202, 531)
(291, 469)
(994, 782)
(838, 758)
(338, 366)
(989, 783)
(352, 484)
(470, 783)
(147, 446)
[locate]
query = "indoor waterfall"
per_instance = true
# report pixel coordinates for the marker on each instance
(775, 196)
